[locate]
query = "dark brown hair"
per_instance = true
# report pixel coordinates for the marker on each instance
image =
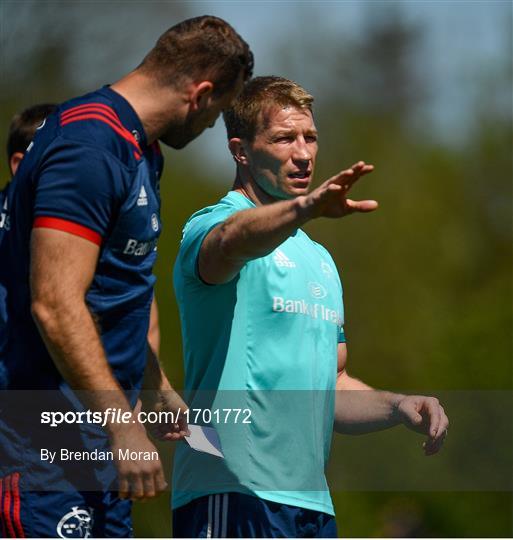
(24, 125)
(242, 118)
(206, 47)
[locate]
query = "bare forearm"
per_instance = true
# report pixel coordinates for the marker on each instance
(154, 376)
(159, 396)
(156, 387)
(257, 232)
(365, 411)
(346, 382)
(72, 340)
(154, 329)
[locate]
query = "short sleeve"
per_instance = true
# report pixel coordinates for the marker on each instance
(78, 190)
(195, 232)
(341, 335)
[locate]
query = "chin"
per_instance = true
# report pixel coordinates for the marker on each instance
(291, 194)
(297, 192)
(178, 145)
(179, 139)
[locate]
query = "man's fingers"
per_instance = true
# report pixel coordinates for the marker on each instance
(124, 488)
(136, 487)
(160, 481)
(432, 446)
(141, 485)
(172, 436)
(342, 178)
(148, 486)
(411, 413)
(359, 169)
(433, 410)
(348, 177)
(334, 187)
(183, 426)
(444, 424)
(426, 415)
(416, 418)
(174, 432)
(362, 206)
(362, 168)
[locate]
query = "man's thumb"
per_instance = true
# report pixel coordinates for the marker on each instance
(417, 419)
(362, 206)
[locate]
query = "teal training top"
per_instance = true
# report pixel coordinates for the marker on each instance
(265, 343)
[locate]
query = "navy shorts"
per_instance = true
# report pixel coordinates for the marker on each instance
(61, 514)
(65, 498)
(236, 515)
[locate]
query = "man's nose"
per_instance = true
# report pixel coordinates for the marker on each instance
(302, 152)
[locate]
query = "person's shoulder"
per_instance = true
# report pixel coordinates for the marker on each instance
(232, 202)
(92, 122)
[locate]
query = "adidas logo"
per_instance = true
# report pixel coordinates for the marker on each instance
(280, 259)
(142, 200)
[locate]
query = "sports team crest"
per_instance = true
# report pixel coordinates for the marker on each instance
(76, 524)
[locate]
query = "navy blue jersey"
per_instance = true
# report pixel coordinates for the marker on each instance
(88, 172)
(4, 228)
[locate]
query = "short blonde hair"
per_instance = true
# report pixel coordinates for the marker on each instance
(243, 117)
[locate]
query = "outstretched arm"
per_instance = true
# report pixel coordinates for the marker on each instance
(360, 409)
(258, 231)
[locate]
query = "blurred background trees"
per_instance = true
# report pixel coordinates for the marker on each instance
(427, 278)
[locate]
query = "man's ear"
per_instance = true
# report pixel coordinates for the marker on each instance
(201, 95)
(238, 151)
(14, 161)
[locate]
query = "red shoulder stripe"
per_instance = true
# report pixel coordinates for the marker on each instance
(92, 104)
(123, 133)
(69, 227)
(17, 505)
(107, 111)
(7, 508)
(104, 113)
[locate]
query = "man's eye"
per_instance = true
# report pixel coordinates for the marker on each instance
(311, 139)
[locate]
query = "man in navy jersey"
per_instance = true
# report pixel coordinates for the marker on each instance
(84, 213)
(21, 131)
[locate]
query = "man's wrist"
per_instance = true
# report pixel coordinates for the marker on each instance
(305, 208)
(395, 401)
(121, 431)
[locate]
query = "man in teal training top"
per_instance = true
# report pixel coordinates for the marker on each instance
(262, 322)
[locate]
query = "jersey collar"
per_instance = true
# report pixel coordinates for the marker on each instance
(126, 114)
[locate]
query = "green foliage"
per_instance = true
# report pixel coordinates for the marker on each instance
(427, 278)
(427, 283)
(423, 515)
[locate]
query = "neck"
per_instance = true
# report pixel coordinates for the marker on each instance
(245, 184)
(158, 107)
